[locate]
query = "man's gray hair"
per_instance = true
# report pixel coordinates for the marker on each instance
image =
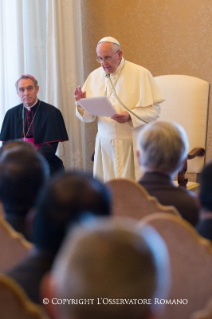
(26, 76)
(111, 262)
(163, 146)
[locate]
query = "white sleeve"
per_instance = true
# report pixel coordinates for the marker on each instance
(83, 115)
(148, 114)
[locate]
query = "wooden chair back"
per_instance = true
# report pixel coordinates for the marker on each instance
(130, 199)
(190, 261)
(13, 246)
(14, 302)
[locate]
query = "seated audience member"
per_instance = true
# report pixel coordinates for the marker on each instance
(61, 203)
(204, 226)
(15, 143)
(162, 150)
(22, 173)
(113, 271)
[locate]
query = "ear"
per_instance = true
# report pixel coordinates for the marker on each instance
(47, 291)
(120, 54)
(138, 157)
(37, 88)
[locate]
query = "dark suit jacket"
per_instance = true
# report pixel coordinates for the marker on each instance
(204, 228)
(18, 222)
(160, 186)
(30, 271)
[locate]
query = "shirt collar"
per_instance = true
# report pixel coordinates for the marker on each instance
(29, 107)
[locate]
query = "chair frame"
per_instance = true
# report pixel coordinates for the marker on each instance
(195, 83)
(197, 151)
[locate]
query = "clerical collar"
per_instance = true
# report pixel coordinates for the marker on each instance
(119, 68)
(29, 107)
(114, 77)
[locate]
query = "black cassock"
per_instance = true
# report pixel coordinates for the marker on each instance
(44, 123)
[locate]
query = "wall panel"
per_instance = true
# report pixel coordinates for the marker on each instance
(165, 36)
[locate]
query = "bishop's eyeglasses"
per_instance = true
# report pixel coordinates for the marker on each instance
(106, 58)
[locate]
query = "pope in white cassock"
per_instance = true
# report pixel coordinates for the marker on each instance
(115, 149)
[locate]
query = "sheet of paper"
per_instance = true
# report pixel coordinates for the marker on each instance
(99, 106)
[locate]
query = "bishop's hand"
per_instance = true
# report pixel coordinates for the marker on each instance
(121, 117)
(79, 94)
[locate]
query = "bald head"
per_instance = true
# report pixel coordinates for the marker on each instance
(106, 261)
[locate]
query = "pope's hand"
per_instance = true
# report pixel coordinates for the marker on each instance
(121, 117)
(78, 94)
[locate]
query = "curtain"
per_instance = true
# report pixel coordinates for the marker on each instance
(44, 39)
(11, 56)
(64, 72)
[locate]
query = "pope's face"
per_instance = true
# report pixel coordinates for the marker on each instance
(105, 50)
(27, 92)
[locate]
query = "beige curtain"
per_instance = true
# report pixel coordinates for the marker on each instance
(44, 38)
(64, 71)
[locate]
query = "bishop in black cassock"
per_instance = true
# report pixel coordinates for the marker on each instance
(41, 124)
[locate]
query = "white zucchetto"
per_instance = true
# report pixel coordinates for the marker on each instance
(109, 39)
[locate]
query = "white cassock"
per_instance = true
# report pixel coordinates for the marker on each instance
(115, 148)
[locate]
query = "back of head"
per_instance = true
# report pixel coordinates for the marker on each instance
(64, 201)
(22, 173)
(16, 144)
(111, 268)
(163, 146)
(205, 192)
